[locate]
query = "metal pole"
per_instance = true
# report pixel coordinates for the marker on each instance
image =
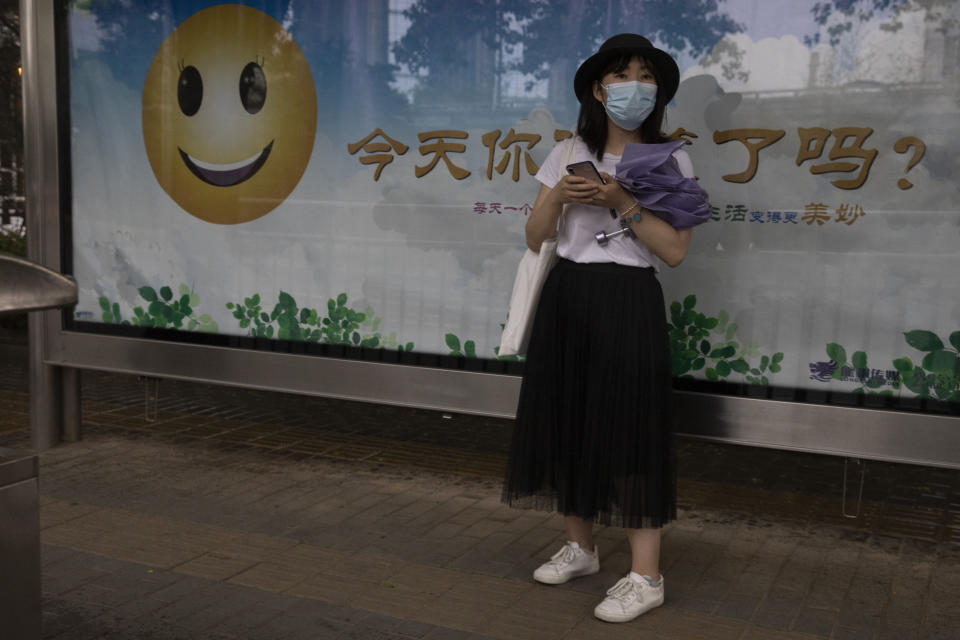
(42, 187)
(72, 424)
(45, 391)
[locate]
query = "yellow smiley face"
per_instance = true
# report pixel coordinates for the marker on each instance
(229, 114)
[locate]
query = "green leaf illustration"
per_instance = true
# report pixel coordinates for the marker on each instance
(916, 381)
(942, 360)
(470, 349)
(723, 368)
(722, 319)
(731, 330)
(166, 294)
(690, 302)
(923, 340)
(452, 341)
(859, 359)
(148, 294)
(943, 392)
(903, 365)
(836, 353)
(723, 352)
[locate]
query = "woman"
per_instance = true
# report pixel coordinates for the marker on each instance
(593, 431)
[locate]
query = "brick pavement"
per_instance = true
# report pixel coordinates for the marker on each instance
(145, 538)
(152, 533)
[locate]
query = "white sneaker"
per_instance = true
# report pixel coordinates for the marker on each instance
(628, 599)
(570, 562)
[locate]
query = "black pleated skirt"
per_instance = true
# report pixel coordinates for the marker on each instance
(593, 434)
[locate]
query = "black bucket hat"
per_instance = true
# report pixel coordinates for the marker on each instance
(628, 43)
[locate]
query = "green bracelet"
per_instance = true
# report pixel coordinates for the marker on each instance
(637, 217)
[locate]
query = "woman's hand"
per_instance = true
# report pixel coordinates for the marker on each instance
(576, 189)
(611, 195)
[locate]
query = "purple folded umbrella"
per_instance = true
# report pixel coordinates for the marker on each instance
(651, 174)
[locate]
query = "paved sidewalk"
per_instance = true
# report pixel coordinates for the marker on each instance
(187, 528)
(150, 539)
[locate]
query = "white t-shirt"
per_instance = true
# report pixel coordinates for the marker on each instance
(581, 222)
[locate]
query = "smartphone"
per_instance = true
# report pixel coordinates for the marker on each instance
(588, 170)
(585, 169)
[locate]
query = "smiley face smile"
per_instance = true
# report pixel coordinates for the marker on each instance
(226, 175)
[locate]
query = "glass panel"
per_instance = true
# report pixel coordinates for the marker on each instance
(360, 173)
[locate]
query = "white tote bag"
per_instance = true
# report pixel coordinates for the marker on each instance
(531, 274)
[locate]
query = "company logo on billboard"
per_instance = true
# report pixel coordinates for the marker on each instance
(828, 371)
(229, 114)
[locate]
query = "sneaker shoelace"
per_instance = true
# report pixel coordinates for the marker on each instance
(625, 590)
(566, 555)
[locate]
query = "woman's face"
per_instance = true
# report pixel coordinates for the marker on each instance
(636, 71)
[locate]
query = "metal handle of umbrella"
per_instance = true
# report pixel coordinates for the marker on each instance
(603, 237)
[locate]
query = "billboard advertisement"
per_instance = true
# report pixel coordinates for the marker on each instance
(359, 174)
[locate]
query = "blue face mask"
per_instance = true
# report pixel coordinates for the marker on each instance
(629, 103)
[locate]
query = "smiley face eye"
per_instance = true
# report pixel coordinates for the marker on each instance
(253, 88)
(189, 91)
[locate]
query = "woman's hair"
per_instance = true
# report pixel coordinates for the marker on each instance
(592, 121)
